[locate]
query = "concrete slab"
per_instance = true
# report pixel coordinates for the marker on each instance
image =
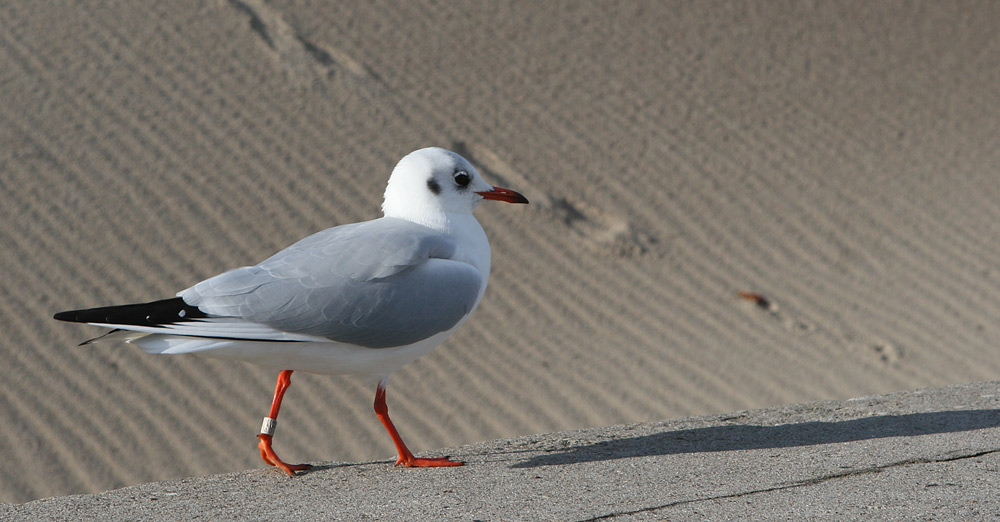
(931, 454)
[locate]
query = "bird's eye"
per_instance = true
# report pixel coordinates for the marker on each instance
(462, 178)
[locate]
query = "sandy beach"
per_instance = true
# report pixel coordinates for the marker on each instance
(838, 162)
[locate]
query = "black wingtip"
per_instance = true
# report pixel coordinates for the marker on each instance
(69, 316)
(155, 313)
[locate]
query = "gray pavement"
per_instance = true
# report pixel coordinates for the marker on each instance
(931, 454)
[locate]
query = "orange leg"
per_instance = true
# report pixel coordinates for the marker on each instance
(267, 430)
(405, 457)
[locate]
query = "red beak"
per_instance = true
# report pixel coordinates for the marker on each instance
(502, 194)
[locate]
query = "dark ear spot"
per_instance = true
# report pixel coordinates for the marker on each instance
(433, 186)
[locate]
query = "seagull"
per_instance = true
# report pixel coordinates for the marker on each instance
(362, 299)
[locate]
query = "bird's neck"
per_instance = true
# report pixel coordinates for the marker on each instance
(473, 246)
(434, 218)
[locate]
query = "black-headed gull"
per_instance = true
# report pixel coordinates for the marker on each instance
(366, 298)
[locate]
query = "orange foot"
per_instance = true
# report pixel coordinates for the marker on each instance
(268, 455)
(413, 462)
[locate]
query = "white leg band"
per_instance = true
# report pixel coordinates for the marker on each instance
(267, 428)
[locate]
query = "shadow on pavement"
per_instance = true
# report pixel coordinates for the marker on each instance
(749, 437)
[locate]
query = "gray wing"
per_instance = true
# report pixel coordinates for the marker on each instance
(381, 283)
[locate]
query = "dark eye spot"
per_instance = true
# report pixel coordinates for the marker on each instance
(433, 186)
(462, 178)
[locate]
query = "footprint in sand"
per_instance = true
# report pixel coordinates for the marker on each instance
(791, 323)
(597, 227)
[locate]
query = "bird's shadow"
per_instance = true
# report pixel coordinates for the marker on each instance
(751, 437)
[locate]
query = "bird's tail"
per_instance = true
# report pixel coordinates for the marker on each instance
(116, 335)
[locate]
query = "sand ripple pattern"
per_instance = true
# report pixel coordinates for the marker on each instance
(841, 163)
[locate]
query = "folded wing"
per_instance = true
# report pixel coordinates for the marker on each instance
(380, 283)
